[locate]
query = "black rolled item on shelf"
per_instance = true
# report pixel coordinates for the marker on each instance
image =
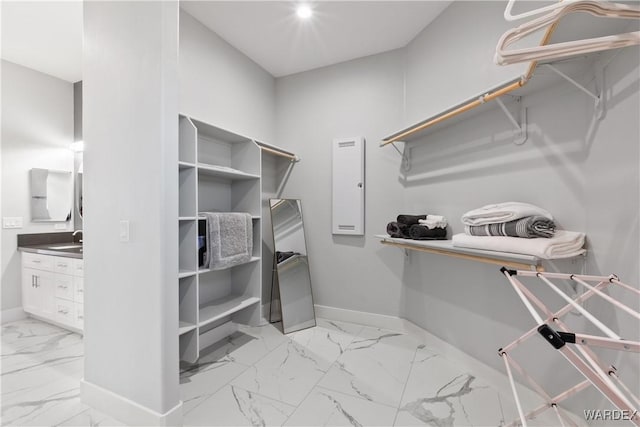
(398, 230)
(420, 232)
(410, 219)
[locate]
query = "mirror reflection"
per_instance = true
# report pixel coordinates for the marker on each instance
(291, 291)
(51, 195)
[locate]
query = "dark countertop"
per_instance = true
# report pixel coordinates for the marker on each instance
(68, 249)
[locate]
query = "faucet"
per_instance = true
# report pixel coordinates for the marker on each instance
(76, 232)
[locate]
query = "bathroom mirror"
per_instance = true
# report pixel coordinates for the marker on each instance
(51, 195)
(79, 192)
(292, 300)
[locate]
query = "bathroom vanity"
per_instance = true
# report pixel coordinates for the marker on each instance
(53, 281)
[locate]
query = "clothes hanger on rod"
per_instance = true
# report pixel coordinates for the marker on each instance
(564, 49)
(510, 17)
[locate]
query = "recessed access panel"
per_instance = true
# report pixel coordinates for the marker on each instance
(348, 186)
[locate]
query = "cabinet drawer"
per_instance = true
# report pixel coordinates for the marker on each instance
(78, 293)
(65, 312)
(63, 285)
(79, 316)
(78, 267)
(63, 265)
(38, 262)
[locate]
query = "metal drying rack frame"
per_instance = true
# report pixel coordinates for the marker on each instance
(604, 377)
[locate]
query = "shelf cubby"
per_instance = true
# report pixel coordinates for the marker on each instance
(187, 246)
(188, 301)
(187, 137)
(224, 307)
(219, 171)
(187, 187)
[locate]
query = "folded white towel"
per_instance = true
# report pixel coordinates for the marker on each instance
(434, 221)
(564, 244)
(502, 212)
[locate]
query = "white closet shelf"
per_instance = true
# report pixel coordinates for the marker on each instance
(225, 172)
(186, 165)
(224, 307)
(445, 247)
(206, 270)
(185, 273)
(253, 217)
(185, 327)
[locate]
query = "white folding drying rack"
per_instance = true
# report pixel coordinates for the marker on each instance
(604, 377)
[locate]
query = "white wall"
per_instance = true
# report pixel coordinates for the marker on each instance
(586, 173)
(459, 44)
(357, 98)
(221, 86)
(130, 86)
(37, 128)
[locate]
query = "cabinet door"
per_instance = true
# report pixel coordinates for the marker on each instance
(63, 286)
(79, 316)
(65, 312)
(78, 284)
(30, 293)
(63, 265)
(44, 294)
(348, 186)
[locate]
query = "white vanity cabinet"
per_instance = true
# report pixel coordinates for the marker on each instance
(53, 289)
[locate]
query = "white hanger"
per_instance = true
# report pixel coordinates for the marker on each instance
(560, 50)
(509, 17)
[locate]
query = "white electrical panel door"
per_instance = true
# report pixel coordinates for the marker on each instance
(348, 186)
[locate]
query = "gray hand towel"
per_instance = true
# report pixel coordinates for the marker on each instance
(230, 239)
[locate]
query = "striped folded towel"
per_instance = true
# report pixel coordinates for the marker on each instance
(529, 227)
(502, 212)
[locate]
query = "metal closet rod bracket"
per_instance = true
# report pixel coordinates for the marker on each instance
(406, 160)
(520, 125)
(598, 97)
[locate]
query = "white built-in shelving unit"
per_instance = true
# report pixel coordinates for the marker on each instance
(218, 171)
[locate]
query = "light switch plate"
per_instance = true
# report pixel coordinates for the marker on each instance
(12, 222)
(124, 230)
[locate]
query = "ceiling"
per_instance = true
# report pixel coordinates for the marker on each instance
(270, 33)
(45, 36)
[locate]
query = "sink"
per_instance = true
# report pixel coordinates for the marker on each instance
(67, 247)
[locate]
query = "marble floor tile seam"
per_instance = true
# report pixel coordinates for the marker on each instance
(404, 389)
(208, 395)
(260, 395)
(307, 395)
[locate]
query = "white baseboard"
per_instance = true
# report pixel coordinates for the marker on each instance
(361, 317)
(125, 410)
(12, 314)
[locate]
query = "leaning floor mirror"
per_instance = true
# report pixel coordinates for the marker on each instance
(291, 297)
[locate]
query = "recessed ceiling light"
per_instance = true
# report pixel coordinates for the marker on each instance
(303, 11)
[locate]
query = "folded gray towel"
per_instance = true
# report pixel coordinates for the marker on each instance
(528, 227)
(230, 239)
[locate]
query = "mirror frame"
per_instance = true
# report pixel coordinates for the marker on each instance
(278, 315)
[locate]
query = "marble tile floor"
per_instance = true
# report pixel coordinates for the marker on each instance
(336, 374)
(40, 379)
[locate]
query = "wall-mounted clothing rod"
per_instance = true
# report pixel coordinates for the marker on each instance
(471, 104)
(445, 247)
(277, 151)
(551, 26)
(459, 109)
